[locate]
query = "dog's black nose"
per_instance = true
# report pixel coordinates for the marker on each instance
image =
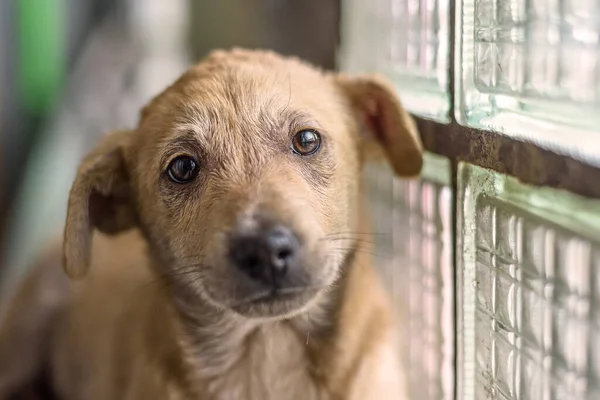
(266, 255)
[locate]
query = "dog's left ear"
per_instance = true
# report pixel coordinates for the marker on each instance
(100, 199)
(384, 122)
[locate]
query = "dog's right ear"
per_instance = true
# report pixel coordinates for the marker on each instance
(100, 198)
(384, 123)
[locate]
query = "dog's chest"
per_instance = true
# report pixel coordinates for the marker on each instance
(272, 364)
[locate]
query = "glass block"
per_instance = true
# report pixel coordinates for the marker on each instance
(505, 358)
(506, 289)
(406, 40)
(532, 327)
(418, 270)
(530, 380)
(529, 290)
(484, 345)
(531, 69)
(485, 282)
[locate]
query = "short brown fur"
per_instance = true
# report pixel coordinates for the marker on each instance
(156, 311)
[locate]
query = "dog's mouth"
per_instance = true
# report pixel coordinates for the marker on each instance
(275, 301)
(273, 295)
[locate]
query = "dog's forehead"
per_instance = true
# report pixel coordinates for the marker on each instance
(241, 99)
(245, 90)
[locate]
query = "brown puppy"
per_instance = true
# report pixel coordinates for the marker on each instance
(220, 245)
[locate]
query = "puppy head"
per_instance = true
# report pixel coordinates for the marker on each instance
(244, 175)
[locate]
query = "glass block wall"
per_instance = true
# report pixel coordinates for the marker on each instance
(531, 69)
(406, 40)
(414, 251)
(527, 259)
(529, 291)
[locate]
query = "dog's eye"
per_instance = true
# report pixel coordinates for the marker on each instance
(306, 142)
(182, 169)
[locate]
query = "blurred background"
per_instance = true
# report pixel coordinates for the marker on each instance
(492, 256)
(71, 70)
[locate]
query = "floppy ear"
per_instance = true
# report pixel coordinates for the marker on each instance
(385, 123)
(99, 198)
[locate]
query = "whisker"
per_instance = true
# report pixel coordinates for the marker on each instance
(187, 267)
(364, 251)
(349, 238)
(159, 280)
(362, 233)
(182, 271)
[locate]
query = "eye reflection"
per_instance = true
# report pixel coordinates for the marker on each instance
(306, 142)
